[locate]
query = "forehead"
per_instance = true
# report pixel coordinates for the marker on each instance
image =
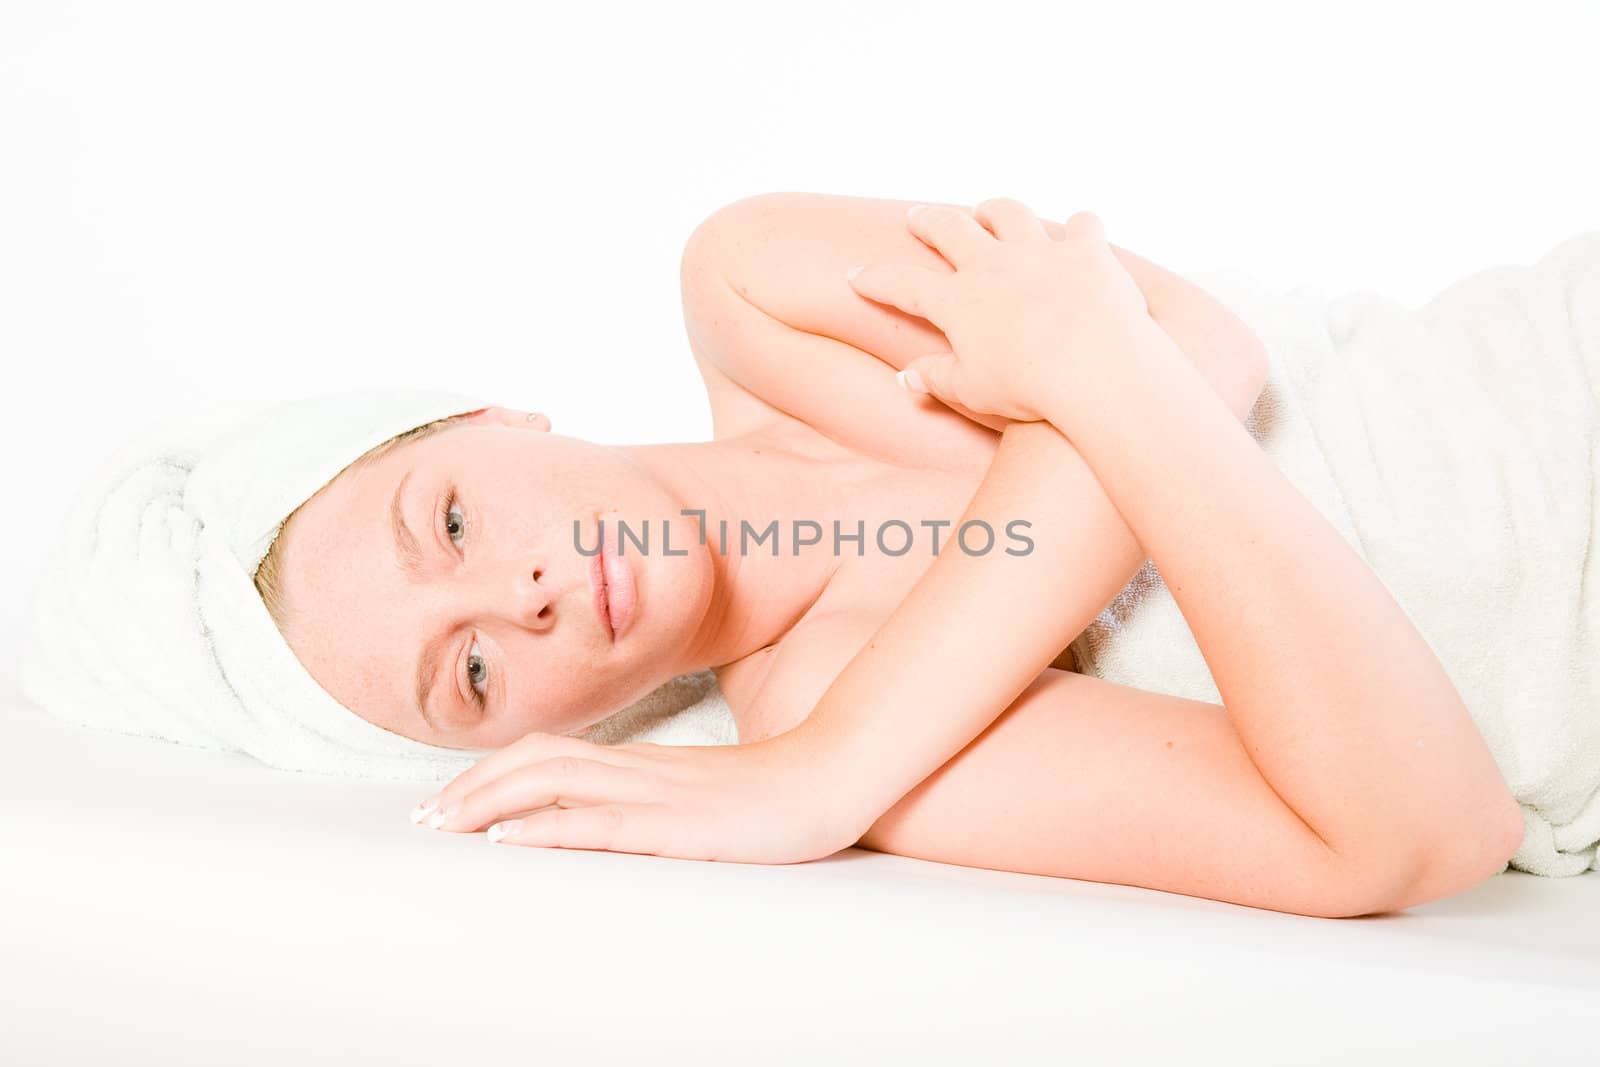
(343, 588)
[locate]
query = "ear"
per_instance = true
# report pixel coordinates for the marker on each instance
(498, 416)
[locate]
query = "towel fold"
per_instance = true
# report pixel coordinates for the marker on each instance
(1456, 448)
(148, 621)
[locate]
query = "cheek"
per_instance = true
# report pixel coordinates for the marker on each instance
(548, 505)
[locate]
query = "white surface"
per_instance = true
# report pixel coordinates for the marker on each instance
(178, 907)
(199, 200)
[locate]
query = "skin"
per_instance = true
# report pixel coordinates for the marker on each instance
(513, 582)
(801, 371)
(742, 610)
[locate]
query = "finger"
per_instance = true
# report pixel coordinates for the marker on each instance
(1011, 220)
(914, 290)
(996, 423)
(530, 748)
(1084, 224)
(933, 375)
(639, 828)
(950, 231)
(564, 781)
(993, 422)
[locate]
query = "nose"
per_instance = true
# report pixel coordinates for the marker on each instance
(521, 593)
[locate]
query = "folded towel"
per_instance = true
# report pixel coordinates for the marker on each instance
(1455, 448)
(688, 710)
(148, 621)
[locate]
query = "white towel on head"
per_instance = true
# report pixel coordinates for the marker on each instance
(148, 621)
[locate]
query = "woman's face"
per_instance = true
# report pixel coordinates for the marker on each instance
(437, 591)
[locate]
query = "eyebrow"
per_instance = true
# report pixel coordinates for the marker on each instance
(410, 556)
(405, 542)
(427, 671)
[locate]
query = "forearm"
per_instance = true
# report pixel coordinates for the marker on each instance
(786, 254)
(1338, 699)
(977, 629)
(1220, 344)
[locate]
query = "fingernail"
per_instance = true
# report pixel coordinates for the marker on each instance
(438, 818)
(421, 811)
(911, 380)
(501, 829)
(850, 275)
(914, 210)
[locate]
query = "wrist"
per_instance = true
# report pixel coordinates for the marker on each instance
(838, 758)
(1112, 384)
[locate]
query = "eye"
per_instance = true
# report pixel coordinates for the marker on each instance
(477, 672)
(455, 523)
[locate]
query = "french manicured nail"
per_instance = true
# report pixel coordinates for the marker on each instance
(911, 380)
(500, 830)
(438, 818)
(850, 275)
(421, 811)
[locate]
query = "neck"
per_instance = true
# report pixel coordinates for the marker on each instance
(756, 596)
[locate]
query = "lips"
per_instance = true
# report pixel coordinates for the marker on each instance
(611, 580)
(621, 594)
(597, 586)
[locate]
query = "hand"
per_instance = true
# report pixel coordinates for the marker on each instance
(766, 802)
(1026, 315)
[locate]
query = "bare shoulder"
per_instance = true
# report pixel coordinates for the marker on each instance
(778, 333)
(787, 253)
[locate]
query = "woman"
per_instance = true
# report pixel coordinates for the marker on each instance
(915, 703)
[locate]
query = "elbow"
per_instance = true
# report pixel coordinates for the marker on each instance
(1505, 825)
(725, 242)
(1452, 862)
(728, 226)
(705, 244)
(711, 239)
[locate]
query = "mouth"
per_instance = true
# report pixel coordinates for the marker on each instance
(597, 586)
(611, 579)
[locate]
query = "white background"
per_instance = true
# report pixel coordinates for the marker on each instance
(212, 205)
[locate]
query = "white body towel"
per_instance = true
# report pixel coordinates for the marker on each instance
(1454, 447)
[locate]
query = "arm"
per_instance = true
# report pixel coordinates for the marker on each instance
(967, 751)
(770, 801)
(1339, 700)
(766, 304)
(1078, 777)
(768, 313)
(767, 307)
(922, 689)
